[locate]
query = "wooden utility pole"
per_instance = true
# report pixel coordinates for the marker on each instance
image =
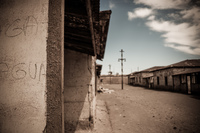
(122, 59)
(110, 72)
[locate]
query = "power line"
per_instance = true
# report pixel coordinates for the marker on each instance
(122, 59)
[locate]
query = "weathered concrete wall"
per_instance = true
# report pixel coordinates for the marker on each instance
(195, 88)
(168, 73)
(162, 74)
(177, 83)
(55, 67)
(182, 87)
(79, 93)
(139, 79)
(23, 36)
(114, 79)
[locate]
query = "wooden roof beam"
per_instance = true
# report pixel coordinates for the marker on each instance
(90, 18)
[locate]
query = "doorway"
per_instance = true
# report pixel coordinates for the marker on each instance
(189, 84)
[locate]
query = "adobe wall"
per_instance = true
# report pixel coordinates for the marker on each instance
(178, 86)
(162, 74)
(79, 92)
(138, 79)
(169, 72)
(114, 79)
(23, 41)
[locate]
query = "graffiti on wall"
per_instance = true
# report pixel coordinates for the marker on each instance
(19, 26)
(20, 71)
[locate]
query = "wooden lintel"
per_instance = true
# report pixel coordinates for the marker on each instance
(89, 12)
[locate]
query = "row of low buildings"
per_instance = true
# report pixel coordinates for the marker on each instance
(113, 79)
(48, 71)
(182, 77)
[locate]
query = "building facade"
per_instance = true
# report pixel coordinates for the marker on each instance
(48, 54)
(180, 77)
(143, 78)
(113, 79)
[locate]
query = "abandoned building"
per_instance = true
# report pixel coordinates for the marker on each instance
(48, 54)
(114, 79)
(182, 77)
(143, 78)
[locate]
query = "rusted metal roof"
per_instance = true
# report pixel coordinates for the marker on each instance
(147, 75)
(187, 63)
(194, 63)
(195, 70)
(147, 70)
(114, 75)
(132, 76)
(152, 69)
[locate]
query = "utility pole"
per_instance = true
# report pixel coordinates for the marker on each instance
(110, 72)
(122, 59)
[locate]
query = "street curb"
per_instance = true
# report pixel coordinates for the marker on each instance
(102, 122)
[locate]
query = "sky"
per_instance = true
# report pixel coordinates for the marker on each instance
(151, 32)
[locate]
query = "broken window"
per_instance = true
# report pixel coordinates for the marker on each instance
(193, 78)
(183, 79)
(196, 78)
(158, 81)
(166, 81)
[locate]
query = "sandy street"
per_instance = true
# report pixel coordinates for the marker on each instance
(140, 110)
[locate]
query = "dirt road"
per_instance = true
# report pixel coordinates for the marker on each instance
(140, 110)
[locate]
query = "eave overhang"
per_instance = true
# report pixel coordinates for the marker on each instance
(81, 17)
(98, 69)
(104, 20)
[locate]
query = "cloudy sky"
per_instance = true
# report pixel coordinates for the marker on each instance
(151, 32)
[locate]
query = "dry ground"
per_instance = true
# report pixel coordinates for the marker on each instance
(140, 110)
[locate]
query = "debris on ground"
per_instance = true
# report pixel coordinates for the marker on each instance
(104, 90)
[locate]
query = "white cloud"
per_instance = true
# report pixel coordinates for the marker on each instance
(151, 17)
(193, 13)
(111, 5)
(183, 33)
(139, 13)
(164, 4)
(177, 34)
(186, 49)
(174, 16)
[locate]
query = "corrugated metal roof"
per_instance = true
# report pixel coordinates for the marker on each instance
(147, 70)
(187, 63)
(187, 71)
(152, 69)
(194, 63)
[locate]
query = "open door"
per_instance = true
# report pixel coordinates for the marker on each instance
(189, 84)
